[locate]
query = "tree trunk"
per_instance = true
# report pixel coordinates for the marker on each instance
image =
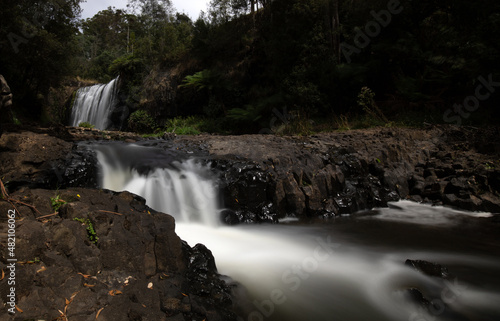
(335, 30)
(252, 6)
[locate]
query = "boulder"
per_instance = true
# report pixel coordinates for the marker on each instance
(6, 100)
(107, 254)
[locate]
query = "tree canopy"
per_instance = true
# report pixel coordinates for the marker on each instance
(313, 57)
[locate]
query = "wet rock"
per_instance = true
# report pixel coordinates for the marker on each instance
(414, 295)
(229, 217)
(428, 268)
(208, 290)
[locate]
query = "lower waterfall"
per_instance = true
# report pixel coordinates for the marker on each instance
(346, 270)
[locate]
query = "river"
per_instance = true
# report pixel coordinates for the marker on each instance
(346, 268)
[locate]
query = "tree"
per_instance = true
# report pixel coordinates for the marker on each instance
(105, 37)
(37, 46)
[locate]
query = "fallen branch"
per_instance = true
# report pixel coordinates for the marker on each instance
(6, 197)
(103, 211)
(45, 216)
(4, 191)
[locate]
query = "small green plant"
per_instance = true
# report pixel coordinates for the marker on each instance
(36, 260)
(57, 202)
(86, 125)
(378, 160)
(489, 166)
(91, 233)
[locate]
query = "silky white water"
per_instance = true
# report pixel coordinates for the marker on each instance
(352, 270)
(93, 105)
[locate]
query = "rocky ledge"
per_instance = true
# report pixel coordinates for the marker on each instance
(104, 256)
(265, 177)
(268, 177)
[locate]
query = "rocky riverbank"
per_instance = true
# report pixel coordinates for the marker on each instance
(107, 254)
(267, 177)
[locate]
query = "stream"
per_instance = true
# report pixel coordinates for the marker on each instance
(346, 268)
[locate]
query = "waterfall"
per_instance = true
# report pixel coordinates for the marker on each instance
(94, 105)
(352, 269)
(185, 189)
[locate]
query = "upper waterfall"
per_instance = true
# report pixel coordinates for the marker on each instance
(94, 105)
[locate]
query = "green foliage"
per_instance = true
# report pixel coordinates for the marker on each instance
(36, 260)
(91, 233)
(251, 113)
(342, 123)
(184, 126)
(366, 100)
(141, 121)
(205, 79)
(191, 125)
(428, 56)
(85, 125)
(126, 65)
(37, 48)
(56, 202)
(301, 126)
(489, 166)
(16, 120)
(259, 114)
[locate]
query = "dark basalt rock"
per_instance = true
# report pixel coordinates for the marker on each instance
(137, 269)
(43, 161)
(428, 268)
(435, 302)
(205, 284)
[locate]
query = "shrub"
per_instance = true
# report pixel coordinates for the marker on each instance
(184, 126)
(141, 121)
(85, 125)
(366, 100)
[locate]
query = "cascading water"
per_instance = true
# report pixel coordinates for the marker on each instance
(351, 269)
(94, 104)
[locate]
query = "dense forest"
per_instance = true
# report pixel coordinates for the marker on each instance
(286, 66)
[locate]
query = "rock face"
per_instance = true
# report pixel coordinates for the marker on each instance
(6, 94)
(107, 254)
(5, 100)
(267, 177)
(43, 161)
